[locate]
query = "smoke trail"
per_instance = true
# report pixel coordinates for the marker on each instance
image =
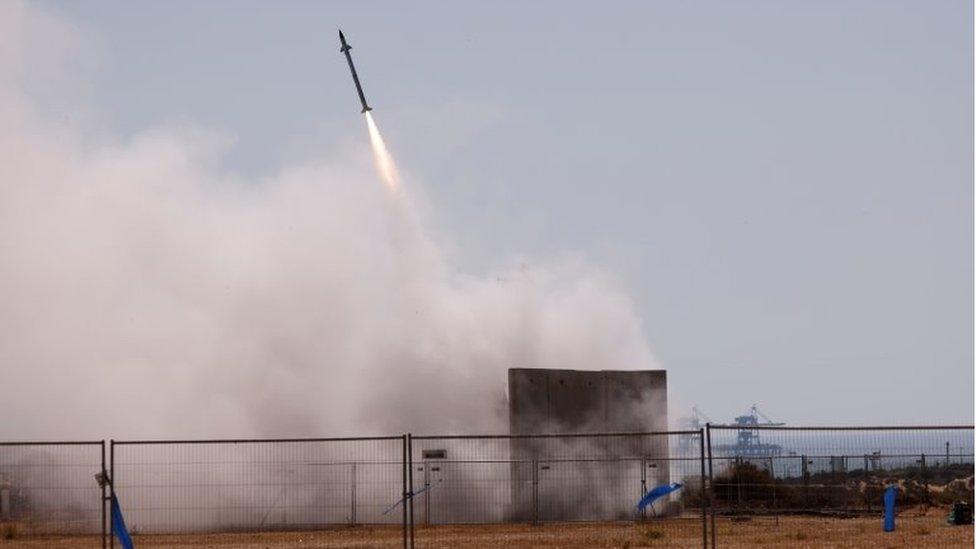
(148, 293)
(382, 157)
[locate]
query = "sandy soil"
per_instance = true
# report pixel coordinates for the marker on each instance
(926, 531)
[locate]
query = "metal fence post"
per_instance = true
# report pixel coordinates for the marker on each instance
(111, 489)
(703, 496)
(738, 483)
(405, 464)
(772, 478)
(806, 480)
(352, 502)
(643, 467)
(925, 479)
(104, 529)
(711, 485)
(535, 491)
(426, 493)
(410, 482)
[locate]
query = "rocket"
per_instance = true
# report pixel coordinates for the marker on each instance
(352, 68)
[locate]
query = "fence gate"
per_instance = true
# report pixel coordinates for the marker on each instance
(206, 486)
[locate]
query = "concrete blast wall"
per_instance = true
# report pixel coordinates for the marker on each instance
(585, 477)
(542, 401)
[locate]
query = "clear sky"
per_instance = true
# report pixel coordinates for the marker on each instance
(785, 189)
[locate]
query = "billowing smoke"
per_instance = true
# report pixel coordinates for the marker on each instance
(147, 292)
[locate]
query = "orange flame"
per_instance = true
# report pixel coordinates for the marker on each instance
(383, 158)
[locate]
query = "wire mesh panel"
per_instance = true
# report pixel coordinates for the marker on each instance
(794, 484)
(50, 489)
(542, 478)
(221, 486)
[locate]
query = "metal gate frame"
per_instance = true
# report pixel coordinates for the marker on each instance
(407, 515)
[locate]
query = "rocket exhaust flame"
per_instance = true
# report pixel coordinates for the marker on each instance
(383, 158)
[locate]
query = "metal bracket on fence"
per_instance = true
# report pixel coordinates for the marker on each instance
(411, 495)
(406, 496)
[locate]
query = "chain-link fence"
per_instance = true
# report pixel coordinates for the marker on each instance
(824, 486)
(259, 485)
(542, 478)
(49, 489)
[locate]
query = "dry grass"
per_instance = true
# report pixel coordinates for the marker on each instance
(923, 531)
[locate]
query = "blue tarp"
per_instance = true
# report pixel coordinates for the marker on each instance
(118, 525)
(889, 508)
(657, 493)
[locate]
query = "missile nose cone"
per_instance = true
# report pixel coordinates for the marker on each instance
(342, 36)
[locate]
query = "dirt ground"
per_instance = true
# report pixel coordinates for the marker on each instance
(924, 531)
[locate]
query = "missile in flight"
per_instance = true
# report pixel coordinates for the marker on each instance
(352, 68)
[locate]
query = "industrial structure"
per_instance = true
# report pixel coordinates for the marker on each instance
(748, 443)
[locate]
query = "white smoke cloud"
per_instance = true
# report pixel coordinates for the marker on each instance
(145, 292)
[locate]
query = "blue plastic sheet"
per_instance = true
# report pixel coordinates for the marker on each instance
(657, 493)
(118, 525)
